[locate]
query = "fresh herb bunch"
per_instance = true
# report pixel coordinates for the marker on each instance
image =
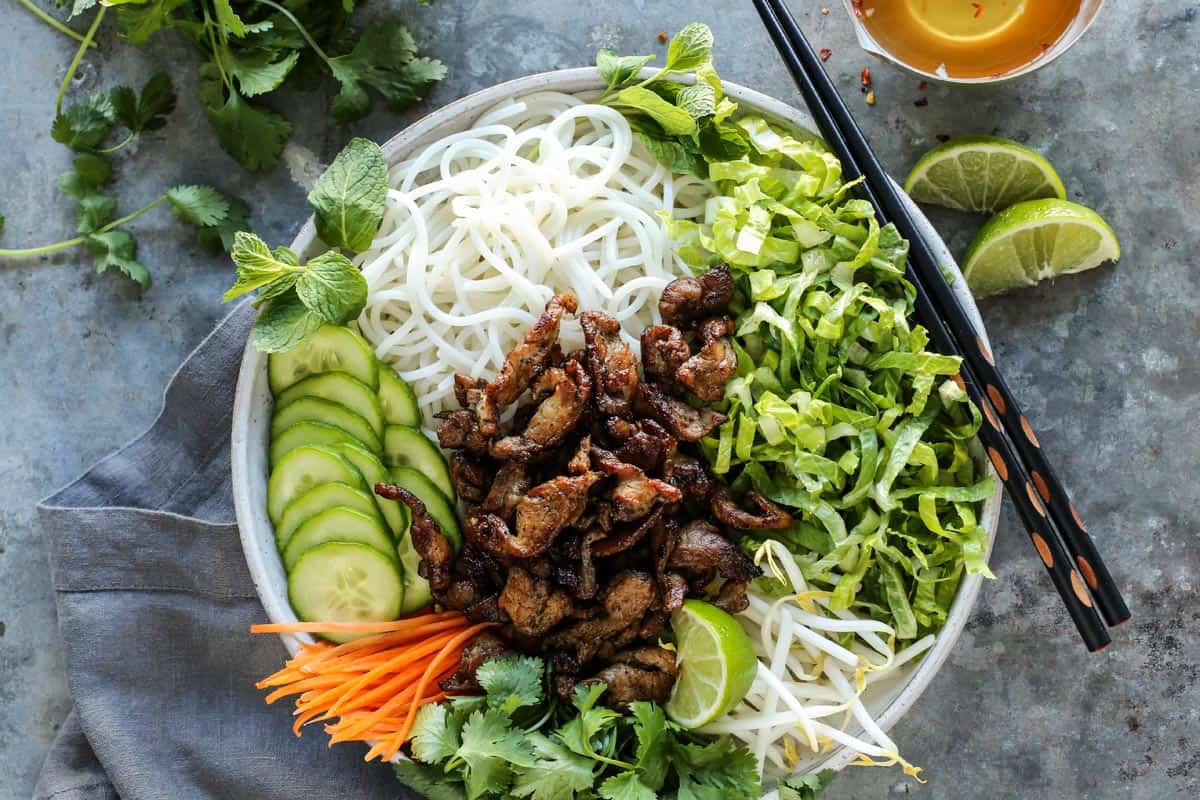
(87, 128)
(299, 297)
(253, 47)
(684, 126)
(518, 741)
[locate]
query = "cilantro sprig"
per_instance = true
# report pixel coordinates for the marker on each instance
(518, 741)
(298, 297)
(683, 125)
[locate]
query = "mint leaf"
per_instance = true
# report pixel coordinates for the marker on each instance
(384, 59)
(690, 49)
(199, 205)
(283, 323)
(215, 238)
(258, 72)
(82, 126)
(616, 70)
(721, 142)
(436, 734)
(430, 782)
(148, 112)
(491, 748)
(806, 787)
(650, 728)
(349, 196)
(511, 683)
(673, 155)
(674, 120)
(558, 773)
(332, 288)
(698, 100)
(253, 136)
(118, 249)
(258, 266)
(626, 786)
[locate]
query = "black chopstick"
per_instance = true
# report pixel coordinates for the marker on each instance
(809, 76)
(1043, 479)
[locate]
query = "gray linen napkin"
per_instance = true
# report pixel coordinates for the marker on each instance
(154, 601)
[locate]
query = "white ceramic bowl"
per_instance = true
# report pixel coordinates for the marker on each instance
(252, 404)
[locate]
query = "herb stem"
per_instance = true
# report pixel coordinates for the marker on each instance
(212, 42)
(303, 32)
(63, 245)
(109, 150)
(85, 43)
(54, 23)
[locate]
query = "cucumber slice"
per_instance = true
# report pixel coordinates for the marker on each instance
(345, 582)
(373, 472)
(314, 409)
(441, 509)
(407, 447)
(332, 348)
(339, 524)
(302, 433)
(340, 388)
(398, 399)
(318, 499)
(417, 593)
(301, 470)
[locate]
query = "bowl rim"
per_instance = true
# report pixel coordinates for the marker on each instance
(248, 406)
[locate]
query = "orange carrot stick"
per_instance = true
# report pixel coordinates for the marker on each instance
(351, 627)
(457, 642)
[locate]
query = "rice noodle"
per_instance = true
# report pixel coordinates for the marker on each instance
(805, 676)
(543, 195)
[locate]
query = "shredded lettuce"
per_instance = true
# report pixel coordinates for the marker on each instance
(838, 411)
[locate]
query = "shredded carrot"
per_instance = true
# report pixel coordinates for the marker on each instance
(370, 689)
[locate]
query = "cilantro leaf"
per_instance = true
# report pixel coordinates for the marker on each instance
(490, 749)
(259, 72)
(436, 734)
(93, 170)
(626, 786)
(94, 211)
(806, 787)
(138, 22)
(199, 205)
(215, 238)
(384, 59)
(332, 288)
(118, 249)
(650, 728)
(578, 732)
(229, 18)
(690, 49)
(349, 196)
(80, 6)
(82, 126)
(616, 70)
(558, 773)
(149, 111)
(283, 323)
(430, 782)
(511, 683)
(254, 136)
(716, 770)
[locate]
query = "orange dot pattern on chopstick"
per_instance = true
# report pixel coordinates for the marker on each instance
(1028, 430)
(1079, 589)
(959, 382)
(991, 415)
(1034, 501)
(1076, 517)
(983, 348)
(1043, 550)
(1040, 483)
(997, 399)
(998, 463)
(1089, 574)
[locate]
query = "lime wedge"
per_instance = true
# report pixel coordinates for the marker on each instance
(1035, 240)
(716, 664)
(983, 174)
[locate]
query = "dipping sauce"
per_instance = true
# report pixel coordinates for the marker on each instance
(965, 39)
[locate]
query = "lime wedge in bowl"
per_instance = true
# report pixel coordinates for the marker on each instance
(983, 174)
(1035, 240)
(716, 664)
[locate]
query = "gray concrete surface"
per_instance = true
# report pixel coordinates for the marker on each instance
(1106, 362)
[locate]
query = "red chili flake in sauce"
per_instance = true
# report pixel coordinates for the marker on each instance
(662, 37)
(825, 53)
(943, 137)
(921, 102)
(922, 86)
(865, 77)
(978, 9)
